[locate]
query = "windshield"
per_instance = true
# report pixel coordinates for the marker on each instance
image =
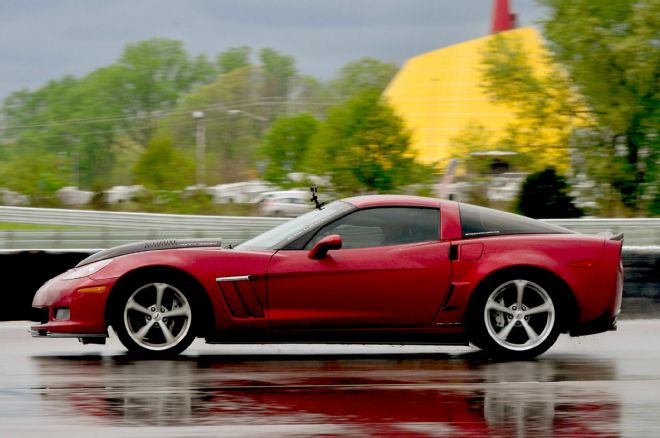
(289, 231)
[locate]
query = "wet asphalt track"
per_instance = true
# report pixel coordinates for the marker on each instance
(604, 385)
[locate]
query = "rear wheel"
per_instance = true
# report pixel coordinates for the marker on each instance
(515, 317)
(155, 317)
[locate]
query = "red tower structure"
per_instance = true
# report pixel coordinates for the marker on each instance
(502, 18)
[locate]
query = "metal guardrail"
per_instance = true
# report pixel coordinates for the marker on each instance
(106, 229)
(106, 238)
(132, 221)
(637, 232)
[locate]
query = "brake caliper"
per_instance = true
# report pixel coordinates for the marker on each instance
(499, 316)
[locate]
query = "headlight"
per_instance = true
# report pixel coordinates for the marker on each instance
(86, 271)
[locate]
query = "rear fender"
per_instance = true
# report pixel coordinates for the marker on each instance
(561, 256)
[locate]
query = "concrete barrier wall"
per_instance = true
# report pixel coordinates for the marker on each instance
(23, 272)
(641, 272)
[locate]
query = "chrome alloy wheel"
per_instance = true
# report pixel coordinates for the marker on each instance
(157, 316)
(519, 315)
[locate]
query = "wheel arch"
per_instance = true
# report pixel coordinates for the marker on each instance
(205, 305)
(566, 295)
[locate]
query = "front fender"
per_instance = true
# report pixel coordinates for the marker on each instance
(204, 265)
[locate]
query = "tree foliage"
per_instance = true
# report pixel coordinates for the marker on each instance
(546, 106)
(234, 123)
(102, 128)
(88, 119)
(286, 144)
(279, 69)
(365, 147)
(365, 73)
(69, 117)
(162, 167)
(234, 58)
(546, 195)
(155, 74)
(35, 174)
(599, 93)
(611, 51)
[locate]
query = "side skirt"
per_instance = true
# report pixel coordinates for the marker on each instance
(425, 337)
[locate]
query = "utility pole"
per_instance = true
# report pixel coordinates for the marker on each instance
(75, 168)
(200, 146)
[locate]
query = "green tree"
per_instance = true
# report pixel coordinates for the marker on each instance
(74, 118)
(88, 121)
(601, 94)
(365, 73)
(365, 147)
(234, 58)
(285, 145)
(546, 105)
(234, 122)
(611, 51)
(546, 195)
(162, 167)
(35, 174)
(308, 94)
(279, 70)
(155, 74)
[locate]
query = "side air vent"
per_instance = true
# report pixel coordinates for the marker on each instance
(240, 296)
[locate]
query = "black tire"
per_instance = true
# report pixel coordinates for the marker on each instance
(148, 331)
(515, 316)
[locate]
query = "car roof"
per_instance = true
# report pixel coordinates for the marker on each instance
(392, 200)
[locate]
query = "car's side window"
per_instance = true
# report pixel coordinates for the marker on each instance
(383, 226)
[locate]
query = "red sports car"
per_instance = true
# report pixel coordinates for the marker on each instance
(381, 269)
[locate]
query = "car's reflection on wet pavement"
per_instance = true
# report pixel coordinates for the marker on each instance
(418, 395)
(578, 388)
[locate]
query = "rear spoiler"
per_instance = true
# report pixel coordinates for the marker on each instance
(611, 236)
(617, 236)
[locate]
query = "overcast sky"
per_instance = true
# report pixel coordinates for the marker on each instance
(47, 39)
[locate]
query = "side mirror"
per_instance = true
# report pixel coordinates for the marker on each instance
(321, 248)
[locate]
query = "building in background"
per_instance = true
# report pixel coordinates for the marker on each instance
(440, 94)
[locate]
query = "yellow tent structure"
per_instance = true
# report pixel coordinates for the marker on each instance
(440, 95)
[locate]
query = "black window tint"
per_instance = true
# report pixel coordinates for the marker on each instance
(481, 221)
(383, 226)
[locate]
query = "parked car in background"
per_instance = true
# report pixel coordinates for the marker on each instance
(73, 196)
(10, 197)
(121, 194)
(240, 192)
(286, 203)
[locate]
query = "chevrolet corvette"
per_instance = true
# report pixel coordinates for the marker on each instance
(368, 269)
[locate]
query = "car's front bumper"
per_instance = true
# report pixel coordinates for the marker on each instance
(85, 316)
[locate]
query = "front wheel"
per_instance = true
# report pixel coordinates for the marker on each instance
(514, 318)
(155, 318)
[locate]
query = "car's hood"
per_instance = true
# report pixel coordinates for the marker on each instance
(148, 245)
